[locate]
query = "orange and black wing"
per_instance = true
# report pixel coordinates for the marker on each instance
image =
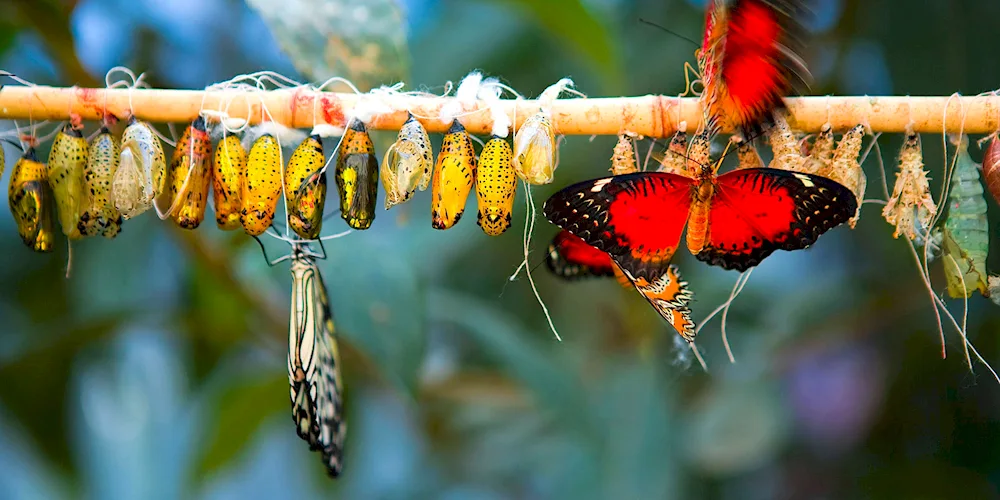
(756, 211)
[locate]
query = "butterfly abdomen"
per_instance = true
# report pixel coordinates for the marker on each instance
(698, 219)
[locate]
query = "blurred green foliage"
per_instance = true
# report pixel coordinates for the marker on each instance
(158, 369)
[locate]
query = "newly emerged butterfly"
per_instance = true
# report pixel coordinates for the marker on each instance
(305, 188)
(67, 160)
(357, 176)
(749, 62)
(966, 230)
(99, 212)
(314, 379)
(262, 186)
(495, 186)
(454, 176)
(190, 176)
(229, 174)
(733, 220)
(31, 202)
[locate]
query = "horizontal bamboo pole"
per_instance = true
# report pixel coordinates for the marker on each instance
(650, 115)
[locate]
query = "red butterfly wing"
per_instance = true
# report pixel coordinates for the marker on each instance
(755, 62)
(756, 211)
(637, 218)
(570, 257)
(671, 297)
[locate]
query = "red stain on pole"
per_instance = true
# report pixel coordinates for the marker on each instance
(333, 110)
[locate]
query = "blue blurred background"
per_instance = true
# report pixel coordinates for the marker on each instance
(158, 369)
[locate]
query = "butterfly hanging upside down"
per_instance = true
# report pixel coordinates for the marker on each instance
(314, 378)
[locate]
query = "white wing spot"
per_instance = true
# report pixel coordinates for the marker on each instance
(806, 181)
(599, 185)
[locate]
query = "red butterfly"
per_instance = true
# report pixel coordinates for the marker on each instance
(748, 61)
(734, 220)
(570, 257)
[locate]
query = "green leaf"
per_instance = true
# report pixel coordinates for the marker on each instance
(552, 382)
(578, 27)
(364, 42)
(242, 410)
(378, 305)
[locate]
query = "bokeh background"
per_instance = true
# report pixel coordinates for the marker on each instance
(158, 369)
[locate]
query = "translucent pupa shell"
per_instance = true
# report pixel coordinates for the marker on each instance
(305, 188)
(845, 168)
(31, 203)
(699, 152)
(228, 175)
(142, 170)
(784, 145)
(408, 163)
(397, 168)
(966, 230)
(536, 154)
(357, 176)
(67, 159)
(675, 159)
(821, 154)
(262, 188)
(454, 176)
(910, 205)
(747, 154)
(190, 176)
(991, 167)
(496, 183)
(623, 158)
(99, 214)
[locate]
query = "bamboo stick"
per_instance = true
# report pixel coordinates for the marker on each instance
(650, 115)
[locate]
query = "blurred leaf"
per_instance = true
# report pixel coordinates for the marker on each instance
(242, 409)
(553, 383)
(364, 42)
(578, 27)
(378, 305)
(38, 398)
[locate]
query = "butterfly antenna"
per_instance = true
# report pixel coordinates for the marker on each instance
(667, 30)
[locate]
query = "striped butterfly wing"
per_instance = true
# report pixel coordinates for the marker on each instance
(314, 367)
